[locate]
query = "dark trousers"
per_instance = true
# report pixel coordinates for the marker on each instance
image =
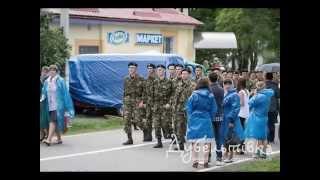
(242, 120)
(217, 136)
(272, 119)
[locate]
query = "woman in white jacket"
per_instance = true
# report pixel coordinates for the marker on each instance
(243, 93)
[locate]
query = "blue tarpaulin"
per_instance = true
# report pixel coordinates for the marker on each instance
(98, 79)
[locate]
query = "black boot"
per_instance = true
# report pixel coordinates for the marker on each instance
(159, 144)
(148, 136)
(135, 126)
(129, 141)
(181, 146)
(172, 140)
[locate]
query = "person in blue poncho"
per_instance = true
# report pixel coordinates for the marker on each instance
(43, 114)
(58, 104)
(257, 123)
(201, 108)
(231, 122)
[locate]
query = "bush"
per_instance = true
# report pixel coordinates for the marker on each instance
(54, 47)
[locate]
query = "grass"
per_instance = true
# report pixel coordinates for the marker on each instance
(84, 124)
(272, 165)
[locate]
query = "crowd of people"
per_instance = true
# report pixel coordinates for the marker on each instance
(225, 106)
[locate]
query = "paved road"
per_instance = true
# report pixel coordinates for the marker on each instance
(103, 151)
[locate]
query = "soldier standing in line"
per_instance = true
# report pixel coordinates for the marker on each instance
(199, 73)
(132, 97)
(162, 95)
(182, 93)
(172, 75)
(172, 71)
(175, 80)
(148, 102)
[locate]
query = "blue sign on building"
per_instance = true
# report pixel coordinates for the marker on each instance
(118, 37)
(142, 38)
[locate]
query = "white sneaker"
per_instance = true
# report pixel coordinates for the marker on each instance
(220, 163)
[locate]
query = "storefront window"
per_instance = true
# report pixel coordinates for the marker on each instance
(168, 45)
(88, 49)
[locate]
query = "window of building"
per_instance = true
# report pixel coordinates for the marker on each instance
(168, 44)
(88, 49)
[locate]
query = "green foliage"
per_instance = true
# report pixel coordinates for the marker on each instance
(256, 30)
(54, 47)
(84, 123)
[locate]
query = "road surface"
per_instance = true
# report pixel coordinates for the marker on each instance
(103, 151)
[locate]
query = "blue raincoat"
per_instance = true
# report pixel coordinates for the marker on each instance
(231, 109)
(201, 108)
(44, 115)
(257, 123)
(64, 102)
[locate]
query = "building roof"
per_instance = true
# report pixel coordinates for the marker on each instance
(215, 40)
(144, 15)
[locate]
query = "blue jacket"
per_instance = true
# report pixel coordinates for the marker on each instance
(201, 108)
(259, 104)
(257, 124)
(64, 101)
(231, 108)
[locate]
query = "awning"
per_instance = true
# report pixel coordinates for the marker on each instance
(215, 40)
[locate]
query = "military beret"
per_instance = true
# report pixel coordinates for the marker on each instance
(179, 65)
(151, 65)
(162, 66)
(197, 66)
(171, 65)
(132, 64)
(186, 69)
(208, 70)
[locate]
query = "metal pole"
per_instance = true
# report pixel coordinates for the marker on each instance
(64, 23)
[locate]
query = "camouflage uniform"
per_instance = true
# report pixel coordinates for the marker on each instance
(133, 88)
(182, 93)
(198, 78)
(175, 82)
(162, 95)
(148, 100)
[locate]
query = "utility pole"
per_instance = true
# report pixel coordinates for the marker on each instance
(64, 23)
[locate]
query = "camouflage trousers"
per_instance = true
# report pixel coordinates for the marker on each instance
(180, 126)
(146, 116)
(168, 129)
(132, 114)
(160, 120)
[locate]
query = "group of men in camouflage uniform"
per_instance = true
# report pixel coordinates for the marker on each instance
(157, 101)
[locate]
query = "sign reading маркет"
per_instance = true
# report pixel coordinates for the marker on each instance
(142, 38)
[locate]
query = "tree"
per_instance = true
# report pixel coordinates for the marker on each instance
(255, 29)
(207, 16)
(54, 47)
